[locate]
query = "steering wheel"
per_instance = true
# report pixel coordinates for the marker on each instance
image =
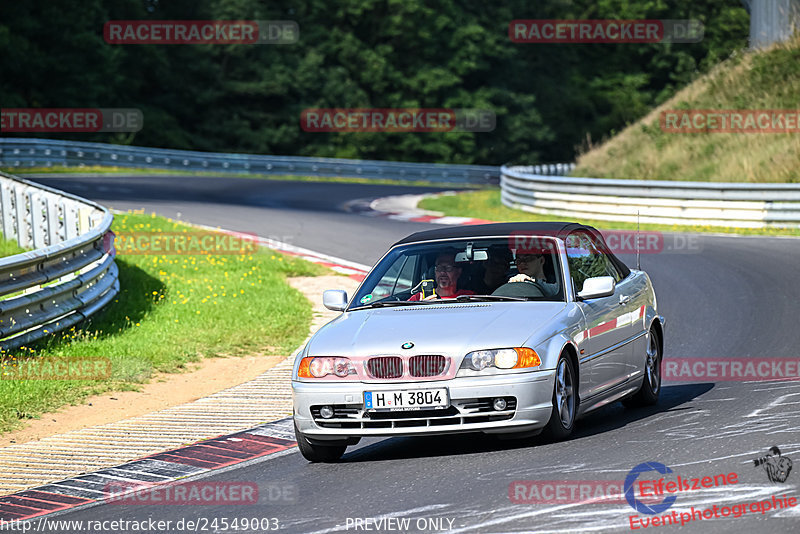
(519, 289)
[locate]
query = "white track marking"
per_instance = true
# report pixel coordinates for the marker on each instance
(777, 402)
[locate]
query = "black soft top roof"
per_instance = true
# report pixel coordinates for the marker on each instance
(551, 229)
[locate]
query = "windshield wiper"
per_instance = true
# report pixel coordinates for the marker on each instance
(460, 298)
(387, 304)
(478, 298)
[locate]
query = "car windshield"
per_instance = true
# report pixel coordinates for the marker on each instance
(490, 269)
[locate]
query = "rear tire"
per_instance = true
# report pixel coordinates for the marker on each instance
(318, 453)
(651, 384)
(565, 401)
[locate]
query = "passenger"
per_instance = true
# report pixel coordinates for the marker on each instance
(531, 269)
(446, 273)
(496, 267)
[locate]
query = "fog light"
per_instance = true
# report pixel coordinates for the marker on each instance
(499, 404)
(326, 412)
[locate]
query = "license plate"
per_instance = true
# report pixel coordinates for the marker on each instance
(414, 399)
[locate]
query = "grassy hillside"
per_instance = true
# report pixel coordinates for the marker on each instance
(748, 81)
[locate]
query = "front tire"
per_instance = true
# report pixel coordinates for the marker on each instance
(565, 404)
(317, 453)
(651, 384)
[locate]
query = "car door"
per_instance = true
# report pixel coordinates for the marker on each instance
(605, 355)
(634, 297)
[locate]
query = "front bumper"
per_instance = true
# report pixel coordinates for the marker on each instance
(532, 391)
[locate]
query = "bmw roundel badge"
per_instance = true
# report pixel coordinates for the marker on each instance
(407, 345)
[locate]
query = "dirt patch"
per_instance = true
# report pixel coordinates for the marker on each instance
(165, 390)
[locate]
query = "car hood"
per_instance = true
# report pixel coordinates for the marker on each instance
(452, 329)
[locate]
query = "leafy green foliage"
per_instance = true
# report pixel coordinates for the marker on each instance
(358, 53)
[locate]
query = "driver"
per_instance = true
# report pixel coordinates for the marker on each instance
(446, 273)
(531, 269)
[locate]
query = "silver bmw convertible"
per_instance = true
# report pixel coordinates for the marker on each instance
(512, 328)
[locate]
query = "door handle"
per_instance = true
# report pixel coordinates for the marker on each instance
(623, 299)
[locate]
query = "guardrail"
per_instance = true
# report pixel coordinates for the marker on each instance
(71, 273)
(26, 152)
(744, 205)
(542, 189)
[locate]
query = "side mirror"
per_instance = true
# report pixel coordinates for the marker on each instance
(334, 299)
(599, 286)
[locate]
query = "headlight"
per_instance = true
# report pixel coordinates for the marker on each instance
(481, 359)
(319, 367)
(499, 359)
(505, 358)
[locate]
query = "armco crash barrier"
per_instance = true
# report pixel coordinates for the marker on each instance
(73, 255)
(26, 152)
(542, 189)
(743, 205)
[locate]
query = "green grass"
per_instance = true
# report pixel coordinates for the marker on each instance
(97, 169)
(486, 204)
(9, 247)
(748, 81)
(171, 310)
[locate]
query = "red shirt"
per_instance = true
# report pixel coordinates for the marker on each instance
(417, 296)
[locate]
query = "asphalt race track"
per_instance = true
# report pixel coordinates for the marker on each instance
(723, 297)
